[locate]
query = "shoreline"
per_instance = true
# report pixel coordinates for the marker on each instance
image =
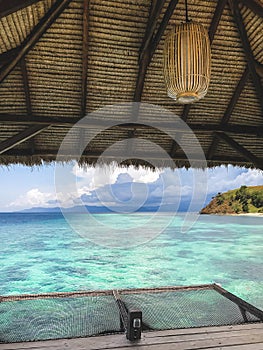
(260, 215)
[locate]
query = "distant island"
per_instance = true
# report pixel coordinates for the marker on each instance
(244, 200)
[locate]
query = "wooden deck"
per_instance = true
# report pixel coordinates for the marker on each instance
(238, 337)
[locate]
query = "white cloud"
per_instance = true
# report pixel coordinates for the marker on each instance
(164, 184)
(34, 198)
(222, 179)
(92, 178)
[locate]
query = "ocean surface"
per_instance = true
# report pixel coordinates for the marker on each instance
(43, 253)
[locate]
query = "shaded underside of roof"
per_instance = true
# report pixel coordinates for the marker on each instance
(61, 60)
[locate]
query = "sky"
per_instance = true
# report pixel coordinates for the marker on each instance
(116, 188)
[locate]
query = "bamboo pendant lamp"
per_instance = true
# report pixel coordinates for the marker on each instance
(187, 62)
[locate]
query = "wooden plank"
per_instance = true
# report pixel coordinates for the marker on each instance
(240, 149)
(21, 137)
(9, 6)
(173, 341)
(256, 346)
(53, 13)
(213, 329)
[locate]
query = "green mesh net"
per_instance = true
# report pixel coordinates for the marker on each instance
(31, 318)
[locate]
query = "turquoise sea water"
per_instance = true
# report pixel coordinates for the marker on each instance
(42, 253)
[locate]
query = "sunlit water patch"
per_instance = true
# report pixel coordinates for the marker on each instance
(41, 253)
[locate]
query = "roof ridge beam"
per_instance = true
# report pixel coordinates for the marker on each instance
(53, 13)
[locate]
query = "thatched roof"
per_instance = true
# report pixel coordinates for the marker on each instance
(62, 59)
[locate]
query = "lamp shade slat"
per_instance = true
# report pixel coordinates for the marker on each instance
(187, 62)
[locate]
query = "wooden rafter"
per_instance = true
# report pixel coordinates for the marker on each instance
(53, 13)
(152, 43)
(8, 56)
(240, 149)
(254, 5)
(259, 69)
(9, 6)
(155, 11)
(216, 18)
(21, 137)
(226, 117)
(212, 30)
(247, 50)
(84, 57)
(84, 79)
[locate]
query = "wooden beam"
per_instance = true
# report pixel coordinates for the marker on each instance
(69, 122)
(84, 57)
(247, 50)
(185, 112)
(237, 92)
(155, 11)
(152, 43)
(8, 56)
(254, 5)
(240, 149)
(226, 117)
(9, 6)
(156, 39)
(21, 137)
(212, 149)
(53, 13)
(216, 18)
(259, 69)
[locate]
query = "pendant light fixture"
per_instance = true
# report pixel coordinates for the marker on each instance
(187, 61)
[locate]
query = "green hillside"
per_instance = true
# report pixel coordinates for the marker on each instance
(239, 201)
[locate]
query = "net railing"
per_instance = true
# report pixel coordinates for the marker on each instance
(81, 314)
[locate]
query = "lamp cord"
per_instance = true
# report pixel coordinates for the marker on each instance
(186, 12)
